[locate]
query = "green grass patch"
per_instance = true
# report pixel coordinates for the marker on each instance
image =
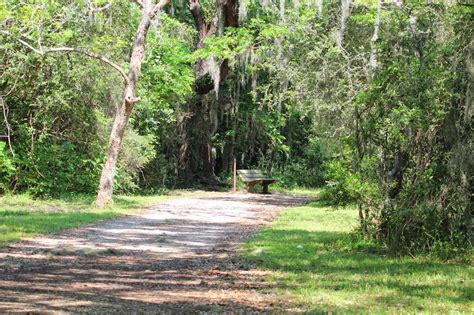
(311, 192)
(23, 216)
(318, 264)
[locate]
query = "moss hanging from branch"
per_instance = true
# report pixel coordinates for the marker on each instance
(243, 10)
(215, 73)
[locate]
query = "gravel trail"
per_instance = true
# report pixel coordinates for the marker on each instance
(174, 258)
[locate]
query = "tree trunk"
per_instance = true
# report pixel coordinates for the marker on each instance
(7, 124)
(319, 6)
(198, 125)
(375, 37)
(282, 10)
(467, 147)
(104, 196)
(196, 149)
(149, 11)
(345, 12)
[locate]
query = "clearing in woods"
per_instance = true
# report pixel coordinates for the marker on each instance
(174, 257)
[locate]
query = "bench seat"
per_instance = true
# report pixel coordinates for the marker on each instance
(254, 177)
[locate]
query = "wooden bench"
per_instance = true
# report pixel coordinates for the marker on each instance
(254, 177)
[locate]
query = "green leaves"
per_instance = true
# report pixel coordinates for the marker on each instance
(7, 169)
(167, 75)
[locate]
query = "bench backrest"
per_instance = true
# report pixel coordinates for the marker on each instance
(251, 175)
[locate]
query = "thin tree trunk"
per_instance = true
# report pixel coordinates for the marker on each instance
(467, 147)
(375, 37)
(7, 124)
(319, 7)
(282, 10)
(149, 11)
(345, 12)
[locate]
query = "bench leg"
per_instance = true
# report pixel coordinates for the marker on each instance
(265, 188)
(250, 187)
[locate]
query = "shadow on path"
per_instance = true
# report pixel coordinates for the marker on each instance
(174, 258)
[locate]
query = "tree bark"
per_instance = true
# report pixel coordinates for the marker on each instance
(282, 10)
(149, 11)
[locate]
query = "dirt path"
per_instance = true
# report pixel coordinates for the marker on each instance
(174, 258)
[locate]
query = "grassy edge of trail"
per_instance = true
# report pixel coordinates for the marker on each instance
(316, 263)
(22, 216)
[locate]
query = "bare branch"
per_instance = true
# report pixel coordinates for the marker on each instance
(139, 2)
(91, 55)
(96, 9)
(21, 41)
(43, 52)
(158, 7)
(105, 7)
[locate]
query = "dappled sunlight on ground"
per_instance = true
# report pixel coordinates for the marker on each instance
(174, 257)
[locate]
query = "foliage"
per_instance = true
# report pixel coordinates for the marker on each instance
(340, 183)
(377, 107)
(167, 81)
(56, 102)
(411, 115)
(397, 134)
(304, 169)
(61, 106)
(7, 168)
(136, 153)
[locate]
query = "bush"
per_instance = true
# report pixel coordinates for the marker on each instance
(56, 167)
(340, 182)
(306, 171)
(7, 169)
(136, 152)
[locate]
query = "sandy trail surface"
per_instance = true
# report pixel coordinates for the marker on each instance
(175, 257)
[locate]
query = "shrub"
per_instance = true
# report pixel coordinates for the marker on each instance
(306, 171)
(340, 182)
(7, 169)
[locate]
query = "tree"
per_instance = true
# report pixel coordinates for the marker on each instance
(198, 123)
(149, 10)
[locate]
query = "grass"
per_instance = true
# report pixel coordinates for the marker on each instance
(316, 264)
(311, 192)
(22, 216)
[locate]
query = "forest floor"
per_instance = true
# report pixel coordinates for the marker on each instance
(175, 257)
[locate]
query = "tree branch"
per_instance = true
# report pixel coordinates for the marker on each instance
(139, 2)
(96, 9)
(44, 52)
(21, 41)
(91, 55)
(195, 8)
(158, 7)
